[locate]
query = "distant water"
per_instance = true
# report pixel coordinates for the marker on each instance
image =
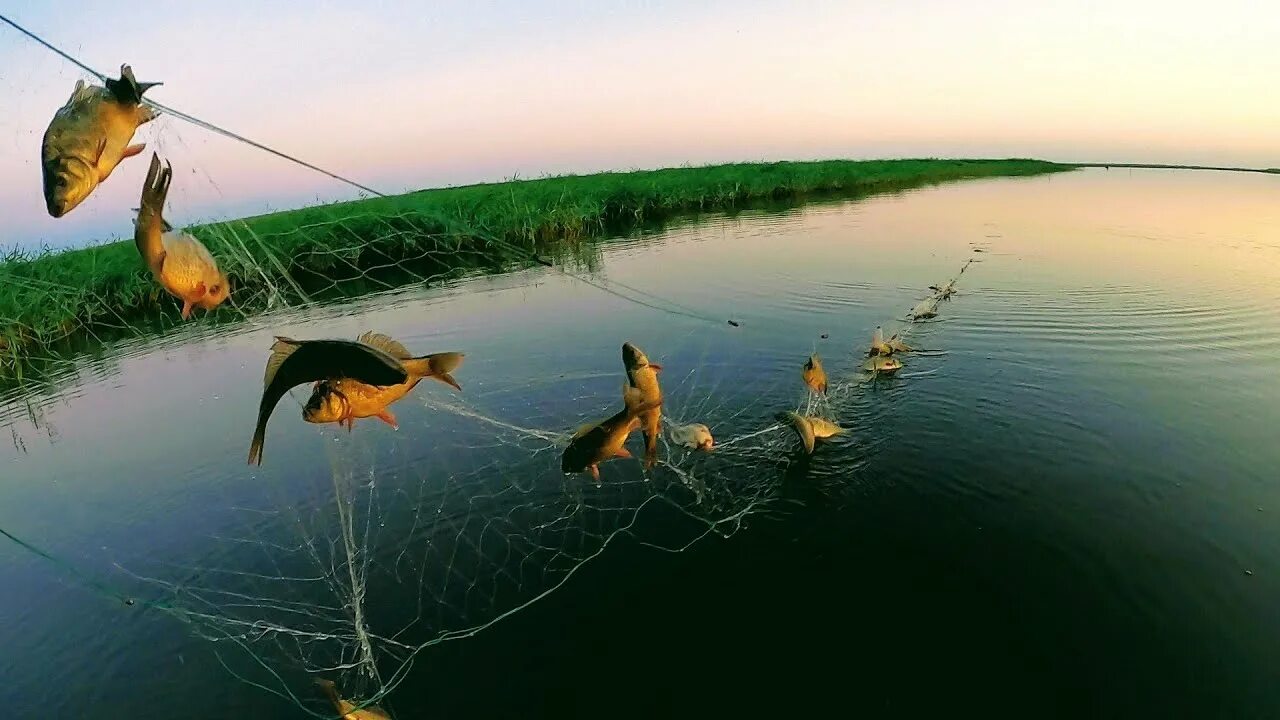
(1065, 507)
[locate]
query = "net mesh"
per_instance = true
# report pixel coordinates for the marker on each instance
(351, 574)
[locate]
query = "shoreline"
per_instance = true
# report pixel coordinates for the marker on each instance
(55, 305)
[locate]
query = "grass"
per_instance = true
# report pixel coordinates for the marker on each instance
(56, 304)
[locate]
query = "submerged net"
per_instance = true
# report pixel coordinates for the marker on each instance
(352, 573)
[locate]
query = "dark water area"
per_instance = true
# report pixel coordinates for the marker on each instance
(1065, 506)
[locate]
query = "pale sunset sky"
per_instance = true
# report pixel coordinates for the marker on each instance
(404, 95)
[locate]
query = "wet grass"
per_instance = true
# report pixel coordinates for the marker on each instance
(57, 304)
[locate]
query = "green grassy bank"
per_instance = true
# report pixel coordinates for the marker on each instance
(53, 303)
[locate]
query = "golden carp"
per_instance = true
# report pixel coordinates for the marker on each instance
(810, 428)
(181, 264)
(596, 442)
(347, 709)
(881, 364)
(345, 399)
(89, 136)
(813, 374)
(294, 362)
(643, 375)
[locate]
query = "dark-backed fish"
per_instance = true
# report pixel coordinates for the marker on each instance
(294, 362)
(89, 136)
(346, 399)
(596, 442)
(810, 428)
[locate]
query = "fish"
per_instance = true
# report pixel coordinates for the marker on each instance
(813, 375)
(596, 442)
(882, 364)
(345, 399)
(926, 309)
(878, 345)
(810, 428)
(294, 362)
(180, 263)
(643, 375)
(897, 344)
(347, 709)
(694, 436)
(89, 136)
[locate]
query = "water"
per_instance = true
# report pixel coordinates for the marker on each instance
(1067, 507)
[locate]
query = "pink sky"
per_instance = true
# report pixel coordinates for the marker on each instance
(401, 98)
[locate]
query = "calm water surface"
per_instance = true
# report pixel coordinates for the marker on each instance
(1068, 505)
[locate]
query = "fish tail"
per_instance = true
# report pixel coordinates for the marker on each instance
(150, 224)
(260, 434)
(127, 89)
(255, 448)
(437, 366)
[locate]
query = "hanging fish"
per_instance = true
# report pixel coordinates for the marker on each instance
(882, 364)
(813, 375)
(346, 399)
(179, 262)
(643, 375)
(347, 709)
(878, 345)
(810, 428)
(89, 136)
(596, 442)
(694, 436)
(294, 362)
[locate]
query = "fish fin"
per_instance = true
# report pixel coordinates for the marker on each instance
(386, 417)
(280, 351)
(127, 89)
(78, 93)
(255, 448)
(385, 344)
(436, 365)
(133, 150)
(447, 379)
(622, 453)
(186, 309)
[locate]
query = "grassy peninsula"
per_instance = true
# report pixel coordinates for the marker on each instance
(53, 304)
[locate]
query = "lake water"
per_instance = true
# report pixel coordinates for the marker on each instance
(1067, 505)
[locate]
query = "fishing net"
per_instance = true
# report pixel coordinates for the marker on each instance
(351, 569)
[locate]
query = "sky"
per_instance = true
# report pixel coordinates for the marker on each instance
(401, 95)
